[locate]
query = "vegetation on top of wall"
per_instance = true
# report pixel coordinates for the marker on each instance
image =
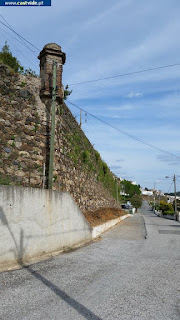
(7, 58)
(12, 62)
(85, 156)
(108, 179)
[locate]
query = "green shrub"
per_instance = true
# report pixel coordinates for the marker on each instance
(91, 167)
(85, 156)
(4, 180)
(77, 138)
(77, 150)
(97, 156)
(104, 168)
(74, 158)
(55, 178)
(22, 84)
(7, 58)
(29, 72)
(164, 206)
(171, 213)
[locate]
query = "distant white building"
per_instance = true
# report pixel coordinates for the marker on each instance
(146, 192)
(159, 193)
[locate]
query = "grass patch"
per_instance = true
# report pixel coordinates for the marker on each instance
(5, 180)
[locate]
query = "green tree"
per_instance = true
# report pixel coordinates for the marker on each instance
(136, 201)
(130, 188)
(67, 92)
(5, 49)
(7, 58)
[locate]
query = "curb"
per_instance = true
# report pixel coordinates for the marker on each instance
(160, 215)
(96, 231)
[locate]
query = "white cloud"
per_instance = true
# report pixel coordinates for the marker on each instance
(126, 107)
(134, 95)
(169, 159)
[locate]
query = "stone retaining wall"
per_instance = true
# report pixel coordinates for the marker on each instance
(25, 123)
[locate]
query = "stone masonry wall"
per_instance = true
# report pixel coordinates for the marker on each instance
(24, 144)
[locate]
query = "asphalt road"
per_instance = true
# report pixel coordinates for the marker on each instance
(122, 276)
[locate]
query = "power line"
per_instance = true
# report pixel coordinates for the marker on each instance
(127, 134)
(93, 80)
(12, 36)
(104, 148)
(127, 74)
(11, 28)
(18, 48)
(91, 128)
(21, 37)
(170, 187)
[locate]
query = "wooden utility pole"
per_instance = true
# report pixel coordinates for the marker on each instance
(117, 191)
(154, 195)
(159, 196)
(53, 106)
(175, 200)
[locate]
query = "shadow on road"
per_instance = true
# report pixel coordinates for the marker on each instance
(19, 252)
(163, 225)
(86, 313)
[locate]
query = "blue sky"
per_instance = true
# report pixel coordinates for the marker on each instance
(105, 38)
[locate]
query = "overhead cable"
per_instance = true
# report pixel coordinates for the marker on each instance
(21, 38)
(127, 133)
(127, 74)
(93, 80)
(12, 36)
(170, 187)
(18, 48)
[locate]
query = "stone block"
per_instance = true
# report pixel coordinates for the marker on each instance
(8, 150)
(15, 162)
